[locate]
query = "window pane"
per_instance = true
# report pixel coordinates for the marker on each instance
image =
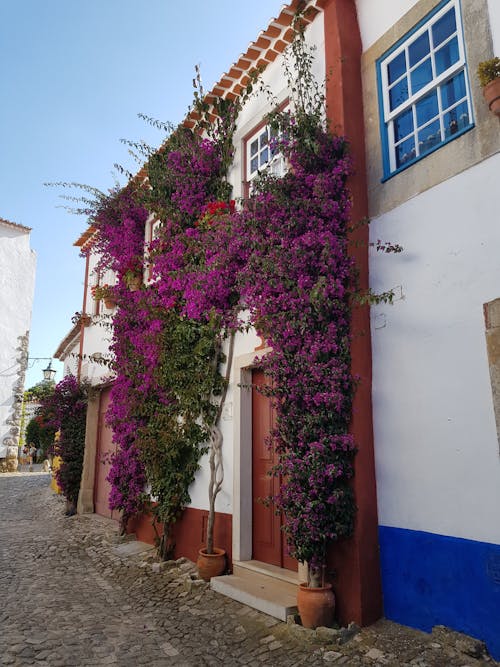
(429, 137)
(443, 28)
(264, 156)
(403, 125)
(405, 152)
(254, 147)
(446, 56)
(254, 164)
(456, 119)
(398, 93)
(427, 108)
(421, 76)
(396, 67)
(263, 139)
(418, 49)
(453, 90)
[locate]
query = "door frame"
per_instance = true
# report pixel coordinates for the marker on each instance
(242, 461)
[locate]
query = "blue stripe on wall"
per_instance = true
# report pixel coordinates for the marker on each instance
(432, 580)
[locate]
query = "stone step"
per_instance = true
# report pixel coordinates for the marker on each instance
(268, 594)
(264, 568)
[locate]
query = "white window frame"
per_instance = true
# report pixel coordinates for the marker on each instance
(389, 116)
(152, 232)
(276, 164)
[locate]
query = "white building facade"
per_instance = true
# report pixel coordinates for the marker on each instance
(17, 283)
(433, 162)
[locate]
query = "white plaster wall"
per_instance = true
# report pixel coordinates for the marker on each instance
(71, 360)
(96, 337)
(244, 343)
(494, 9)
(436, 449)
(376, 18)
(17, 282)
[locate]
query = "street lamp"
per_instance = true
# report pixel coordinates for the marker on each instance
(48, 373)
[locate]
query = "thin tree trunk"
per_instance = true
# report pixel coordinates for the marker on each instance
(215, 458)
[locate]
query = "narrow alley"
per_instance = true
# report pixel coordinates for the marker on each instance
(73, 596)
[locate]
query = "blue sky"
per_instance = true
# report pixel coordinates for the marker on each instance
(74, 74)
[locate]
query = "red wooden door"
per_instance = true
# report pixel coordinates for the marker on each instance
(269, 543)
(105, 447)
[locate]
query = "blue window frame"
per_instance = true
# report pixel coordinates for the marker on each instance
(424, 94)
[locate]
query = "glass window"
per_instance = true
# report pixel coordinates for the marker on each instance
(262, 155)
(397, 67)
(419, 49)
(444, 27)
(421, 76)
(425, 95)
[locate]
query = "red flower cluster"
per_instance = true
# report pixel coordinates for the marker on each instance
(215, 209)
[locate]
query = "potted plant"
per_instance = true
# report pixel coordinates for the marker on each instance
(106, 293)
(488, 73)
(133, 279)
(211, 560)
(318, 503)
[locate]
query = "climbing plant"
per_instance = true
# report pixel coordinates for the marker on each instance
(282, 256)
(65, 411)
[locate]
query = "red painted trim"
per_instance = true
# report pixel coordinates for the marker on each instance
(188, 532)
(356, 561)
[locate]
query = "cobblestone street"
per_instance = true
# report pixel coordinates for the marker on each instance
(70, 597)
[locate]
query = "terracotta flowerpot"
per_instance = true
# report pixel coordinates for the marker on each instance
(491, 93)
(316, 606)
(109, 302)
(211, 565)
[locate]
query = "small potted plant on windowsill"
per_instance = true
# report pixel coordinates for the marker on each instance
(488, 73)
(106, 293)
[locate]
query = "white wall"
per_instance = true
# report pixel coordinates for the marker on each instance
(96, 337)
(376, 18)
(244, 343)
(494, 9)
(17, 281)
(437, 459)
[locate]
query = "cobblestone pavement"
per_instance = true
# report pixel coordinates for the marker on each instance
(68, 596)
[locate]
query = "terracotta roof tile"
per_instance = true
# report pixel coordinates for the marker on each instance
(273, 31)
(265, 49)
(85, 236)
(271, 55)
(15, 225)
(263, 42)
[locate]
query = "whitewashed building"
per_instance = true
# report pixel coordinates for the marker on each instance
(17, 283)
(85, 348)
(401, 85)
(433, 167)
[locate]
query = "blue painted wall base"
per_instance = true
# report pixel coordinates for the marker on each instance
(432, 580)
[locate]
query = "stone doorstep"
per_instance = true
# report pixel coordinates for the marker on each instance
(265, 592)
(264, 568)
